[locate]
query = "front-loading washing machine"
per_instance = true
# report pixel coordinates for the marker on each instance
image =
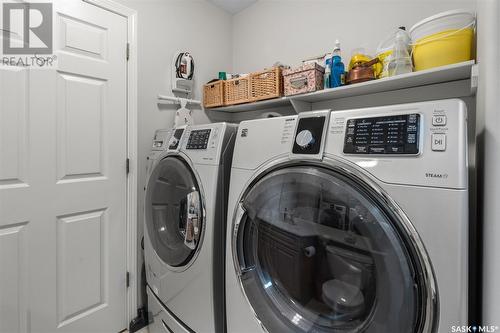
(350, 221)
(185, 223)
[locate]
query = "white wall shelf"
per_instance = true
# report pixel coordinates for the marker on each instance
(446, 74)
(255, 106)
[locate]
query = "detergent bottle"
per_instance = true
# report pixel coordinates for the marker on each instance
(338, 68)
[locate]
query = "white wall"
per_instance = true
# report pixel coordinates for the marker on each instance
(164, 27)
(291, 30)
(488, 101)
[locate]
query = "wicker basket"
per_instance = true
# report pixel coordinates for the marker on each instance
(266, 84)
(213, 94)
(237, 91)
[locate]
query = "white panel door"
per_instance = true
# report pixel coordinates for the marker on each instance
(63, 180)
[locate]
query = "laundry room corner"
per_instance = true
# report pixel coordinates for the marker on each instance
(166, 27)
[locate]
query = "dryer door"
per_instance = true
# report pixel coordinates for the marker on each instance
(317, 250)
(174, 218)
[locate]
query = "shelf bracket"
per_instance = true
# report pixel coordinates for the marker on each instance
(301, 106)
(474, 78)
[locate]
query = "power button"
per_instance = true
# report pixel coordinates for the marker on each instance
(438, 120)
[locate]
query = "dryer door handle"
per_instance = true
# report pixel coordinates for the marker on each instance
(192, 219)
(240, 263)
(182, 216)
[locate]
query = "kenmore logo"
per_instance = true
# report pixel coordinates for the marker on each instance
(244, 132)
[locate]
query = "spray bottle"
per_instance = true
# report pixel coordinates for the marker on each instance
(400, 60)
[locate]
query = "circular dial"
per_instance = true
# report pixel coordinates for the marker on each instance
(173, 141)
(305, 139)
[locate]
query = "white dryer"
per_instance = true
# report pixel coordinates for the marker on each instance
(350, 221)
(185, 221)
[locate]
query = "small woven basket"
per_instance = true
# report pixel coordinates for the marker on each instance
(213, 94)
(266, 84)
(237, 91)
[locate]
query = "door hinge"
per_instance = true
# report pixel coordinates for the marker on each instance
(128, 51)
(127, 165)
(127, 279)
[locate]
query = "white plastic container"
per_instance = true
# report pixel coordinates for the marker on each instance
(456, 19)
(443, 39)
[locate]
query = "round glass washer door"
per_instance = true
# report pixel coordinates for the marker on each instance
(317, 252)
(174, 213)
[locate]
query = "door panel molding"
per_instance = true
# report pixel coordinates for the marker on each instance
(132, 136)
(13, 278)
(94, 45)
(76, 161)
(14, 140)
(81, 265)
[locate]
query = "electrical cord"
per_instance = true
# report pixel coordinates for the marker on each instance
(178, 61)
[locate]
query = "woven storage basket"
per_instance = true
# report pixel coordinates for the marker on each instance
(237, 91)
(266, 84)
(213, 94)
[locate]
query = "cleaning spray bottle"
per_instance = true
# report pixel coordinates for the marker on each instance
(400, 60)
(338, 68)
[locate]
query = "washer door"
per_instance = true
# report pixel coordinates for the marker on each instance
(174, 212)
(317, 251)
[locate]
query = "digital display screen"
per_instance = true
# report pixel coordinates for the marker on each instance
(383, 135)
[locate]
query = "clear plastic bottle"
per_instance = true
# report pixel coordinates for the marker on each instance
(400, 60)
(327, 76)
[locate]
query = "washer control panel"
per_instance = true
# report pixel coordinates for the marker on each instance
(398, 134)
(198, 139)
(422, 144)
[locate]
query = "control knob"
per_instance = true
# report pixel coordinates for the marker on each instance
(173, 142)
(305, 139)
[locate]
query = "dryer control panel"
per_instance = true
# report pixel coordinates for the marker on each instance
(198, 139)
(204, 144)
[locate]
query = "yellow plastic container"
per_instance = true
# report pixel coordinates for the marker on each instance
(443, 48)
(443, 39)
